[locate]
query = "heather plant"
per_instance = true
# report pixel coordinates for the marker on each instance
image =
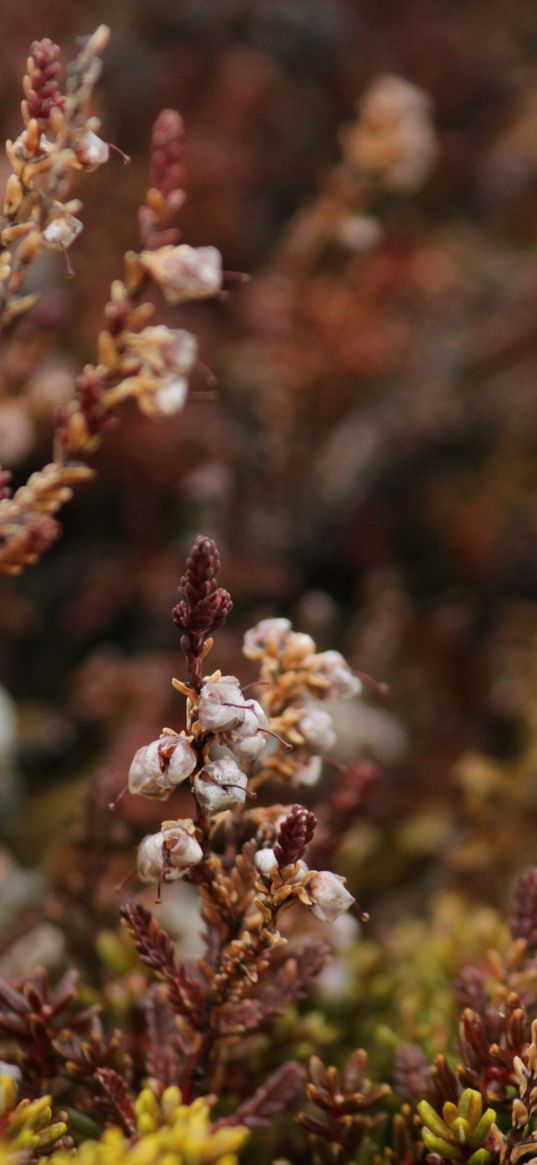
(126, 1046)
(136, 359)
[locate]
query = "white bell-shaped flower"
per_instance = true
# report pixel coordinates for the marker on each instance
(185, 273)
(168, 854)
(221, 705)
(329, 895)
(156, 769)
(90, 150)
(317, 729)
(220, 785)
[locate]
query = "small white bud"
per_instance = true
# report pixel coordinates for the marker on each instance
(171, 396)
(268, 635)
(183, 350)
(90, 150)
(329, 896)
(332, 667)
(309, 773)
(265, 860)
(61, 231)
(185, 273)
(220, 785)
(298, 647)
(316, 728)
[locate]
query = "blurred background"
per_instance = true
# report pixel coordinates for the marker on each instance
(368, 463)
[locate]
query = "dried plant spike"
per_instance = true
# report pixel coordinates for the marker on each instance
(167, 169)
(523, 920)
(41, 86)
(203, 606)
(294, 836)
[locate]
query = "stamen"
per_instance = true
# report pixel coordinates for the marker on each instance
(285, 743)
(131, 874)
(236, 277)
(125, 158)
(362, 914)
(376, 686)
(69, 269)
(208, 376)
(114, 804)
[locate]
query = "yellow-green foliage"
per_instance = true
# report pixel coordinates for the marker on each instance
(170, 1133)
(462, 1125)
(27, 1128)
(401, 988)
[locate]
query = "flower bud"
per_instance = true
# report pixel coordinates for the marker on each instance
(61, 231)
(90, 150)
(316, 728)
(220, 785)
(13, 196)
(309, 773)
(265, 861)
(170, 398)
(268, 635)
(341, 683)
(185, 273)
(329, 897)
(168, 855)
(160, 348)
(298, 647)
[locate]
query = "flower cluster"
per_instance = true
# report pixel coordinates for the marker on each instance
(59, 138)
(224, 744)
(138, 359)
(392, 142)
(295, 680)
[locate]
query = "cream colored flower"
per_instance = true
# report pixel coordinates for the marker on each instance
(316, 728)
(62, 230)
(332, 667)
(168, 854)
(329, 896)
(220, 785)
(268, 635)
(156, 769)
(185, 273)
